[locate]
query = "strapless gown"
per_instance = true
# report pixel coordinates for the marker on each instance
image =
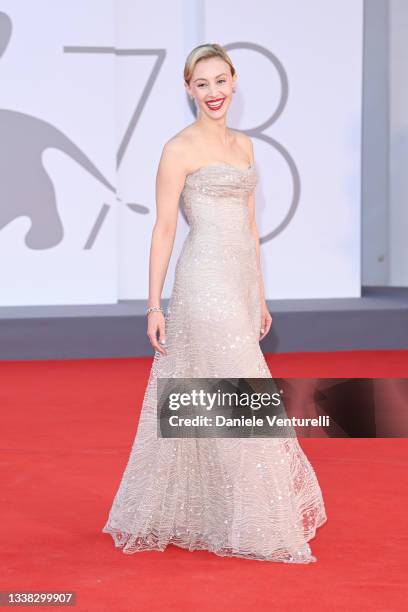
(252, 498)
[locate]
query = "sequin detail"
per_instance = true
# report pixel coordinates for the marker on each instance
(254, 498)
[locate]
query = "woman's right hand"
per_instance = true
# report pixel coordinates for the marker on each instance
(156, 323)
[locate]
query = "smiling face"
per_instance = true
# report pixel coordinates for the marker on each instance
(211, 85)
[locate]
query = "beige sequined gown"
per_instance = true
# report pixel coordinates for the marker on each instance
(253, 498)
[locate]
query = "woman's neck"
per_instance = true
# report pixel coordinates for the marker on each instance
(214, 131)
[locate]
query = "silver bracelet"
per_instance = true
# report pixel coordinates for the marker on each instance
(154, 309)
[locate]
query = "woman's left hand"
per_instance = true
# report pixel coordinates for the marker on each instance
(266, 321)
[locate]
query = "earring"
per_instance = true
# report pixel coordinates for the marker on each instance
(233, 89)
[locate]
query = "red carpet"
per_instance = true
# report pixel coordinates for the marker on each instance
(67, 431)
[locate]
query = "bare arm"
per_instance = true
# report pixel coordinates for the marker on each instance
(169, 184)
(254, 228)
(266, 317)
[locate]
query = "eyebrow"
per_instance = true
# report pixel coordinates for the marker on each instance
(203, 79)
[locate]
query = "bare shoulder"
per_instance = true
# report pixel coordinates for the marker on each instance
(177, 150)
(175, 146)
(244, 142)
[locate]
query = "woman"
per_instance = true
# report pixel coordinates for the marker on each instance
(253, 498)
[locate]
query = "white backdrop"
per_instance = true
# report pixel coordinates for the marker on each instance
(79, 122)
(57, 135)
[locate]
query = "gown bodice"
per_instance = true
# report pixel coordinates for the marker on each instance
(215, 196)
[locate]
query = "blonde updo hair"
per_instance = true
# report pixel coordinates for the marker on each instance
(203, 52)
